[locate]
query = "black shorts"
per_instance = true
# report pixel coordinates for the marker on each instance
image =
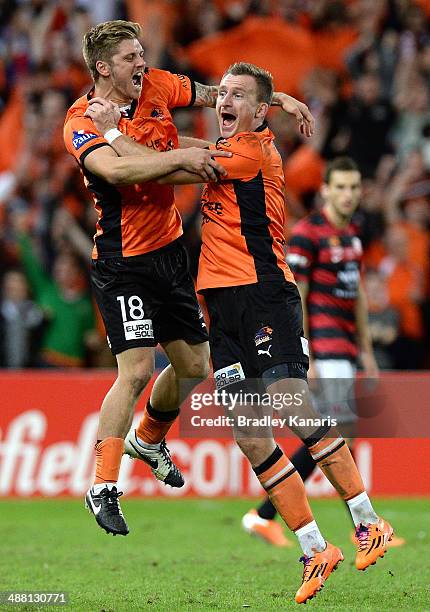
(254, 328)
(147, 299)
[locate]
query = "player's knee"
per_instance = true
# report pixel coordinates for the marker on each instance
(255, 449)
(137, 379)
(197, 365)
(199, 369)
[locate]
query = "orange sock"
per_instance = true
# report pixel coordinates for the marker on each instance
(108, 459)
(285, 488)
(335, 460)
(155, 424)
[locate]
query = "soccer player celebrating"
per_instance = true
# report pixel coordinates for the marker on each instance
(139, 270)
(257, 324)
(324, 253)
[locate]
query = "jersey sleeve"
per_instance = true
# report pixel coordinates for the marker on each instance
(301, 252)
(81, 137)
(182, 91)
(246, 159)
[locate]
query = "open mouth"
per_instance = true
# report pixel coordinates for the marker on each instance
(137, 79)
(227, 119)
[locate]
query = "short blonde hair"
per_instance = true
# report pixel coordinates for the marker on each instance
(101, 42)
(263, 78)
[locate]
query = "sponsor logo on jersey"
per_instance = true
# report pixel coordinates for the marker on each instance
(229, 375)
(81, 137)
(138, 329)
(157, 113)
(263, 335)
(265, 352)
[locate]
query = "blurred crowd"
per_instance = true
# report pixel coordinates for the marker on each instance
(362, 66)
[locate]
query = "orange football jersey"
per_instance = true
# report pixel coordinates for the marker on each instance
(133, 219)
(244, 215)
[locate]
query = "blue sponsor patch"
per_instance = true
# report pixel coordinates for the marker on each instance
(81, 137)
(263, 335)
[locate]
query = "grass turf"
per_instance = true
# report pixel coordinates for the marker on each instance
(192, 555)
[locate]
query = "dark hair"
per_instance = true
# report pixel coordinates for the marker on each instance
(344, 164)
(101, 42)
(262, 77)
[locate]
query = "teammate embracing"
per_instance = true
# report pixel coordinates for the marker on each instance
(122, 136)
(139, 269)
(256, 324)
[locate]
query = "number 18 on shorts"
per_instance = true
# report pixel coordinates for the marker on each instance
(135, 325)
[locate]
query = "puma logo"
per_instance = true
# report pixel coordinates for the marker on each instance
(261, 352)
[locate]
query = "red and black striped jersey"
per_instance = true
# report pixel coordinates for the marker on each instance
(329, 260)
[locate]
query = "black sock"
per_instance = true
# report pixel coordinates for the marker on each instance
(160, 415)
(303, 462)
(305, 465)
(267, 510)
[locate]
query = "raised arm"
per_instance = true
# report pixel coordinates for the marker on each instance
(301, 112)
(206, 95)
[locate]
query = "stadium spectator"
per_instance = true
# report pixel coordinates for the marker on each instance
(63, 296)
(368, 121)
(405, 285)
(384, 320)
(41, 52)
(21, 323)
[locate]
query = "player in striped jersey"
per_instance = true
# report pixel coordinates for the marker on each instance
(324, 253)
(256, 326)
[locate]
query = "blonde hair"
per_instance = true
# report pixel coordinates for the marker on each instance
(262, 77)
(101, 42)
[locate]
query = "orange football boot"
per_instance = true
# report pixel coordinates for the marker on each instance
(395, 541)
(316, 571)
(270, 531)
(372, 541)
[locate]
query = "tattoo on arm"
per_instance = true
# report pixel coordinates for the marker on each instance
(206, 95)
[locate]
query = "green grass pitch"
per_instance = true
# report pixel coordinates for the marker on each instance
(192, 555)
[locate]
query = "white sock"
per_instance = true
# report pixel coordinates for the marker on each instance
(146, 444)
(102, 485)
(310, 539)
(361, 509)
